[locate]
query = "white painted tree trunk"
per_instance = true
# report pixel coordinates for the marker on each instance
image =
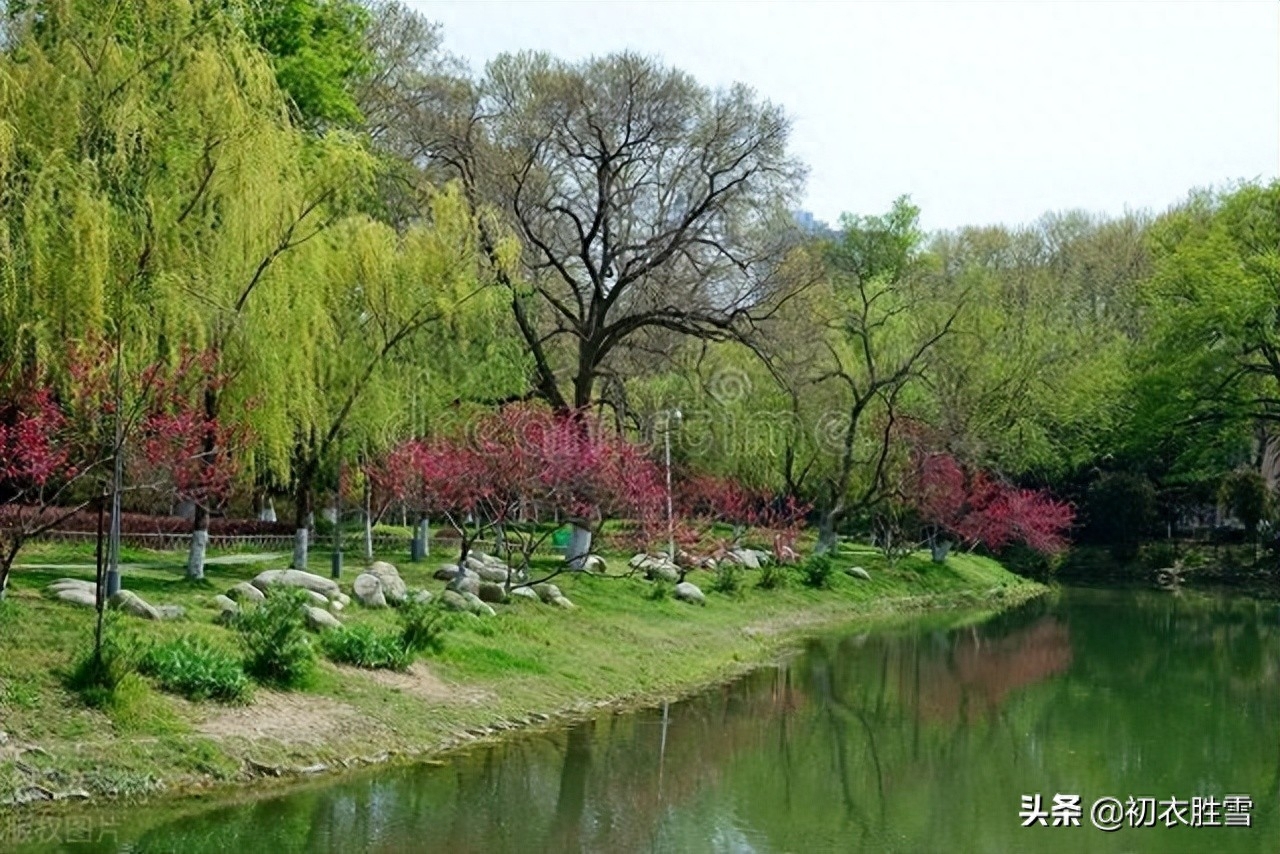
(268, 512)
(195, 557)
(300, 538)
(579, 547)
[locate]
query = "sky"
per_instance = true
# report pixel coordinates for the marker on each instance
(983, 112)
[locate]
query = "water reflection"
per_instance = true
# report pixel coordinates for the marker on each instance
(922, 739)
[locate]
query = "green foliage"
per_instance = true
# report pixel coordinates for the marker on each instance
(728, 578)
(98, 674)
(365, 646)
(659, 591)
(317, 49)
(1119, 509)
(1245, 495)
(197, 670)
(423, 625)
(817, 571)
(1160, 555)
(278, 650)
(772, 576)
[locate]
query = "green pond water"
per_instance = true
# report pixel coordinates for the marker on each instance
(922, 738)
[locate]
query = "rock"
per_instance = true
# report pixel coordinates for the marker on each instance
(393, 586)
(525, 593)
(744, 557)
(547, 592)
(446, 572)
(368, 590)
(476, 606)
(68, 583)
(492, 573)
(85, 596)
(490, 592)
(171, 612)
(133, 604)
(296, 578)
(423, 596)
(562, 602)
(594, 563)
(688, 592)
(662, 572)
(453, 600)
(468, 584)
(247, 593)
(319, 619)
(227, 607)
(336, 606)
(859, 572)
(342, 599)
(317, 599)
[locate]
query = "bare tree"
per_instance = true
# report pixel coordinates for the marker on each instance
(642, 199)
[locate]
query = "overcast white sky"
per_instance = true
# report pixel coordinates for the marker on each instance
(982, 111)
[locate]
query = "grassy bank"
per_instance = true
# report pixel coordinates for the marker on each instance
(529, 665)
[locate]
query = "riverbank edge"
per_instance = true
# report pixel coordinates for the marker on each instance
(259, 780)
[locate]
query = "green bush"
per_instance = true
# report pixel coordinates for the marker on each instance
(364, 646)
(192, 667)
(278, 650)
(423, 625)
(772, 576)
(816, 571)
(728, 578)
(97, 676)
(659, 591)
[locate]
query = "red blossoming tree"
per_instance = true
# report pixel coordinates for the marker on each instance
(976, 509)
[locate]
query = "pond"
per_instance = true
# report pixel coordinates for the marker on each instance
(917, 739)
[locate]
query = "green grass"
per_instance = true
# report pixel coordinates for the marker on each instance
(622, 645)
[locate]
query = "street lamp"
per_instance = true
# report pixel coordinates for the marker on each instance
(670, 415)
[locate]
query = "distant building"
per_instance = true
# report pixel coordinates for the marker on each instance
(811, 225)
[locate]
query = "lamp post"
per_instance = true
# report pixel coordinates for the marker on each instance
(670, 414)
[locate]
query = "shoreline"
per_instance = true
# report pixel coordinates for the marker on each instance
(487, 711)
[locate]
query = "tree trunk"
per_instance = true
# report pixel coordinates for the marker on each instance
(302, 516)
(199, 543)
(579, 547)
(827, 537)
(368, 520)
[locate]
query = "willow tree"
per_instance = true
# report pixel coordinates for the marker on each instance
(399, 307)
(157, 194)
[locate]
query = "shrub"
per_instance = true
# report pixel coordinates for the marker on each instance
(728, 578)
(96, 677)
(197, 670)
(772, 576)
(364, 646)
(659, 591)
(817, 570)
(277, 648)
(422, 626)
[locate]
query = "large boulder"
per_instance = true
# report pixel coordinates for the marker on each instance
(326, 587)
(491, 592)
(318, 619)
(525, 592)
(561, 602)
(131, 603)
(744, 557)
(453, 600)
(227, 607)
(667, 572)
(171, 612)
(594, 563)
(688, 592)
(477, 606)
(368, 590)
(467, 584)
(393, 586)
(77, 591)
(317, 599)
(422, 596)
(547, 592)
(492, 574)
(246, 593)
